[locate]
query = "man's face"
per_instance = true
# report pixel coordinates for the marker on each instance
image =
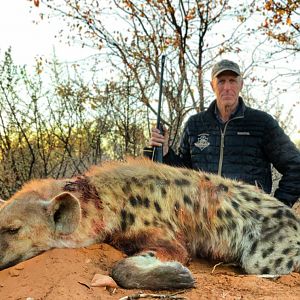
(227, 87)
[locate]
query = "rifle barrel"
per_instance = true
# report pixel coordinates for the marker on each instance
(158, 151)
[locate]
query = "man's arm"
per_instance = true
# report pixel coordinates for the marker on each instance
(285, 157)
(182, 159)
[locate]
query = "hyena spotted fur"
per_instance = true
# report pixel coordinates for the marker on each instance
(159, 216)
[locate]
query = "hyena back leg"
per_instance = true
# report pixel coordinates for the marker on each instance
(149, 272)
(158, 263)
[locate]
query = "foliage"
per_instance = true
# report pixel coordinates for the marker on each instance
(59, 130)
(187, 31)
(192, 34)
(282, 22)
(62, 130)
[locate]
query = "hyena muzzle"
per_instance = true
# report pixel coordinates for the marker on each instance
(159, 216)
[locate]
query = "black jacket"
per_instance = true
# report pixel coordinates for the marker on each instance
(243, 149)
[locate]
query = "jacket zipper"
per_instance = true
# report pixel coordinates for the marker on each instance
(222, 144)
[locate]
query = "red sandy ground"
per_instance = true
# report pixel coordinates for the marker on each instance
(67, 274)
(62, 274)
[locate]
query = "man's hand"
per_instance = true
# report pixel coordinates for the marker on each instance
(157, 139)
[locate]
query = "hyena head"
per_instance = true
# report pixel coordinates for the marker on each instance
(30, 225)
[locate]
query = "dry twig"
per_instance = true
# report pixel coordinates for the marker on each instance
(84, 284)
(156, 296)
(214, 268)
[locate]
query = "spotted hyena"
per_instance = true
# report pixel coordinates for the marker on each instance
(159, 216)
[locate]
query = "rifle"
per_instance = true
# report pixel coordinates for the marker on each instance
(157, 154)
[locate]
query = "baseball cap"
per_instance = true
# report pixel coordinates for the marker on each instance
(225, 65)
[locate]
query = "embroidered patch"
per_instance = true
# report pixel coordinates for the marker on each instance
(202, 142)
(243, 133)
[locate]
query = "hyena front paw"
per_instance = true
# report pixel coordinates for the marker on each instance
(147, 272)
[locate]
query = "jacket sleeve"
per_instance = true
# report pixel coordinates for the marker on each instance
(285, 157)
(183, 158)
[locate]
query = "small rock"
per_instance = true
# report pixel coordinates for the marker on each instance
(103, 280)
(14, 273)
(20, 266)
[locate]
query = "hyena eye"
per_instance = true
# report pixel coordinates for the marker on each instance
(12, 231)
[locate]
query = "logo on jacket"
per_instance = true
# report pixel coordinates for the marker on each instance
(202, 142)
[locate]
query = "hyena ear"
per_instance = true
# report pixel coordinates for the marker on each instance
(65, 212)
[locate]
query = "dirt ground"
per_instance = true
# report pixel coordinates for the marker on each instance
(67, 274)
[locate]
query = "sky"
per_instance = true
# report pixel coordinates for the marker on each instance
(29, 41)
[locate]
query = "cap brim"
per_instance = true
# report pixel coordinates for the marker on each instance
(227, 69)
